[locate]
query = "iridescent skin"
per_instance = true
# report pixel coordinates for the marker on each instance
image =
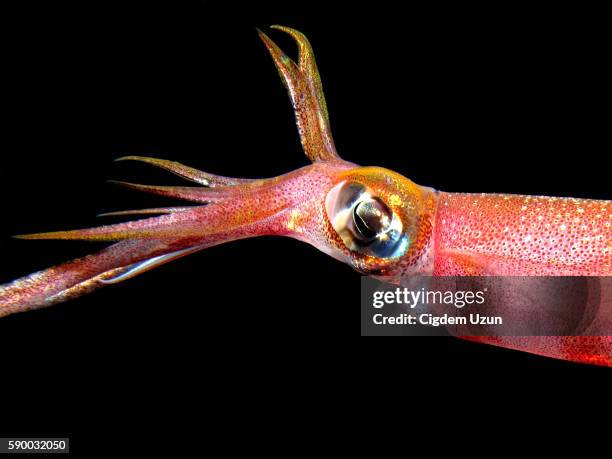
(449, 233)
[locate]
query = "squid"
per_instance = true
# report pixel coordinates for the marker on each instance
(371, 218)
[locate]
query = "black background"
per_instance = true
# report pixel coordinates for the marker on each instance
(469, 99)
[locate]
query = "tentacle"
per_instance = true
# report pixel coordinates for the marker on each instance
(81, 276)
(189, 173)
(165, 226)
(237, 206)
(262, 208)
(154, 241)
(189, 193)
(146, 265)
(308, 67)
(304, 86)
(154, 211)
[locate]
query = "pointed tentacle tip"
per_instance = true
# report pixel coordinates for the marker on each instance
(298, 36)
(131, 158)
(117, 182)
(153, 211)
(263, 36)
(269, 43)
(137, 186)
(123, 184)
(282, 28)
(21, 236)
(120, 213)
(142, 187)
(108, 214)
(35, 236)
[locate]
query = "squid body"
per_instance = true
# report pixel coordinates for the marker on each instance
(371, 218)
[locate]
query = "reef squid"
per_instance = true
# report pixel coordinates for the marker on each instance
(371, 218)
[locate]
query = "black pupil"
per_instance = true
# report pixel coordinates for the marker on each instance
(371, 218)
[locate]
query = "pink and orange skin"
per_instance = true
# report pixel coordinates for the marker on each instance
(449, 233)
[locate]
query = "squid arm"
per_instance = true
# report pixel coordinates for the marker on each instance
(251, 208)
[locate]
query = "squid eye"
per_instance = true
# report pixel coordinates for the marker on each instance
(364, 222)
(371, 218)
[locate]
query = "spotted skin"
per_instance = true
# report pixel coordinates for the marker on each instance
(513, 235)
(522, 235)
(448, 233)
